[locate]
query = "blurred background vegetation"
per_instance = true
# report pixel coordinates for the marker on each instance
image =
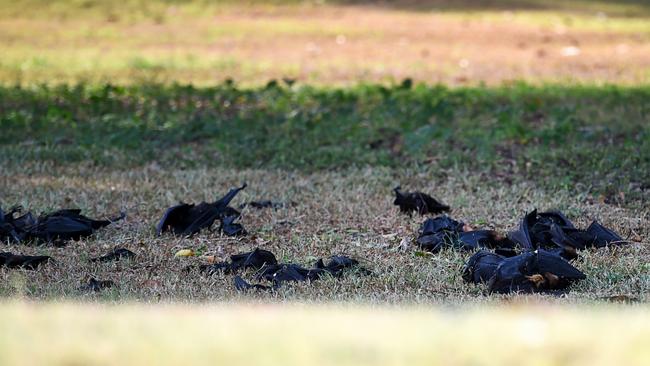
(324, 42)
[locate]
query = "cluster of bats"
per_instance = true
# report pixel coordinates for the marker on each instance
(535, 257)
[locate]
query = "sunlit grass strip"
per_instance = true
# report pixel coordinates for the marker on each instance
(72, 334)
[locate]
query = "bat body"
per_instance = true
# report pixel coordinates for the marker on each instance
(188, 219)
(443, 231)
(419, 202)
(554, 232)
(115, 255)
(13, 261)
(534, 271)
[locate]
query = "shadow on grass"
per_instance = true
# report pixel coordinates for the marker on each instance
(561, 136)
(158, 9)
(624, 8)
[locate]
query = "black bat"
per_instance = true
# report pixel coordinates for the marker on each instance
(287, 272)
(436, 233)
(7, 230)
(255, 260)
(10, 260)
(242, 285)
(533, 271)
(554, 232)
(481, 266)
(188, 219)
(13, 228)
(338, 263)
(471, 240)
(602, 236)
(443, 231)
(115, 255)
(419, 202)
(270, 270)
(68, 224)
(230, 227)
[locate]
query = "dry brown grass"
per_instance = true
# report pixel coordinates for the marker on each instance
(348, 212)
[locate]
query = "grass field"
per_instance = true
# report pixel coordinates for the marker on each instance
(349, 211)
(335, 152)
(495, 107)
(595, 140)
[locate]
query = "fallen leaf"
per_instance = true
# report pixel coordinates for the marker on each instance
(184, 253)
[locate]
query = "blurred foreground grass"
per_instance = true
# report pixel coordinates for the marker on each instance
(534, 334)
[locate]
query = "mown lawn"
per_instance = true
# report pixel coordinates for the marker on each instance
(96, 113)
(593, 139)
(334, 154)
(494, 107)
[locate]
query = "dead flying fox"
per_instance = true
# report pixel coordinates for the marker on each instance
(419, 202)
(14, 261)
(188, 219)
(555, 232)
(278, 274)
(115, 255)
(268, 269)
(445, 232)
(95, 285)
(535, 271)
(57, 227)
(63, 225)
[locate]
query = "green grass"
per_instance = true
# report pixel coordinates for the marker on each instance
(162, 131)
(120, 105)
(158, 8)
(558, 136)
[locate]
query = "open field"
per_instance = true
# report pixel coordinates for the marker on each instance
(451, 42)
(335, 154)
(296, 335)
(587, 139)
(143, 143)
(346, 212)
(494, 107)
